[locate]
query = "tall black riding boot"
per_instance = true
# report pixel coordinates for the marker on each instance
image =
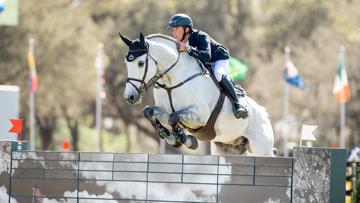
(228, 87)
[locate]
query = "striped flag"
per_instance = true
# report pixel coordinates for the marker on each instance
(292, 75)
(32, 66)
(341, 85)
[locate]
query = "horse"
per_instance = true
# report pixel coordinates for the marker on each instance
(186, 98)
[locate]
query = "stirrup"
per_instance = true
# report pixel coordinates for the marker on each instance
(240, 111)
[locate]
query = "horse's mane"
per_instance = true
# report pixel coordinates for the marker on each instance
(161, 36)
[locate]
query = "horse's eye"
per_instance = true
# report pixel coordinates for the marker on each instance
(141, 63)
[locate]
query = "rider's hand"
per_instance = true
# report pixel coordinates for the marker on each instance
(182, 47)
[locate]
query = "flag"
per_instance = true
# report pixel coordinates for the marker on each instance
(32, 66)
(292, 76)
(9, 12)
(237, 70)
(2, 6)
(65, 145)
(16, 126)
(307, 132)
(99, 67)
(341, 85)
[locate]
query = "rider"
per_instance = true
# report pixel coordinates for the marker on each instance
(201, 46)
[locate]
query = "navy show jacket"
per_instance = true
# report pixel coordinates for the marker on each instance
(206, 49)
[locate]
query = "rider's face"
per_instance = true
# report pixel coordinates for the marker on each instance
(177, 32)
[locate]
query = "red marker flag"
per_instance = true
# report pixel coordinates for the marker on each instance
(16, 126)
(66, 145)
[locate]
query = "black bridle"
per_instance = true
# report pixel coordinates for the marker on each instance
(153, 81)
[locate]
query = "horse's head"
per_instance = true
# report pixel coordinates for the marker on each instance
(140, 67)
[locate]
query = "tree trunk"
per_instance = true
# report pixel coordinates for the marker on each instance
(47, 126)
(73, 125)
(74, 131)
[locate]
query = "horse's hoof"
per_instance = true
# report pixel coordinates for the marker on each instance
(191, 142)
(171, 140)
(163, 133)
(275, 152)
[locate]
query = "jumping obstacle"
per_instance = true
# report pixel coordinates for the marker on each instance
(312, 175)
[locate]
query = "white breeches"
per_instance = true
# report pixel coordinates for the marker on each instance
(219, 68)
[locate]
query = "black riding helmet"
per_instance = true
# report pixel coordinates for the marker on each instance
(180, 19)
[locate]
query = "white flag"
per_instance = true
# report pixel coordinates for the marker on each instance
(307, 132)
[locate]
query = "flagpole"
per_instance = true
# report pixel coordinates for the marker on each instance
(99, 72)
(32, 104)
(342, 104)
(286, 90)
(286, 106)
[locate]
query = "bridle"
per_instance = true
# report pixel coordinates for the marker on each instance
(153, 81)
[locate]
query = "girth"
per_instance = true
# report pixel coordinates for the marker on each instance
(207, 132)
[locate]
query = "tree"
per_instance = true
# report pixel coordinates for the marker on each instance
(65, 47)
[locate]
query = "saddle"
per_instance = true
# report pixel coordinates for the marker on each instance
(207, 132)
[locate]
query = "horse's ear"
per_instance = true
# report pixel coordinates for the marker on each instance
(125, 40)
(142, 38)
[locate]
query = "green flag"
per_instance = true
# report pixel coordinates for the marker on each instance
(236, 70)
(9, 12)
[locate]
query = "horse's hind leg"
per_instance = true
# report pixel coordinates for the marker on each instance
(239, 147)
(156, 116)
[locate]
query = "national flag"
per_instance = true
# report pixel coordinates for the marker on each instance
(292, 75)
(16, 126)
(32, 66)
(237, 70)
(341, 87)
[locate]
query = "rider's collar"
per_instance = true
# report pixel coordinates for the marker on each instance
(136, 49)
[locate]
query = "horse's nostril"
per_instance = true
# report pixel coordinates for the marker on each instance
(132, 98)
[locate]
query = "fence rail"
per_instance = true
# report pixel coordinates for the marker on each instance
(98, 177)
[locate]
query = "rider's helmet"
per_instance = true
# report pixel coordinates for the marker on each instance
(180, 19)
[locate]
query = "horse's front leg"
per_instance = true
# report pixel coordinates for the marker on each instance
(158, 119)
(191, 115)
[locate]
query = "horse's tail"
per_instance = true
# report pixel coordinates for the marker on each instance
(260, 130)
